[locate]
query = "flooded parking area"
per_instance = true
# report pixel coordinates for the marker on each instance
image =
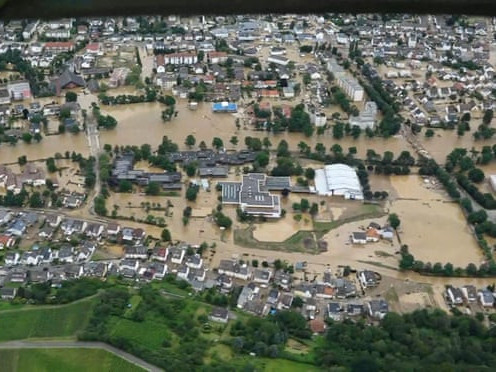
(433, 227)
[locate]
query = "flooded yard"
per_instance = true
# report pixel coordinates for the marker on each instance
(47, 147)
(434, 229)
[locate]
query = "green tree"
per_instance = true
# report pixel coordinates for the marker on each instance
(394, 220)
(217, 143)
(166, 235)
(234, 140)
(27, 137)
(191, 168)
(476, 175)
(283, 149)
(125, 186)
(100, 207)
(429, 133)
(338, 130)
(190, 140)
(153, 188)
(262, 159)
(22, 160)
(304, 205)
(192, 192)
(35, 200)
(71, 97)
(488, 117)
(309, 173)
(222, 220)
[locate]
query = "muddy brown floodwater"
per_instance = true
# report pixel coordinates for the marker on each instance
(433, 227)
(142, 123)
(48, 146)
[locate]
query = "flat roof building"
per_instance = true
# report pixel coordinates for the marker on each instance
(366, 118)
(338, 179)
(253, 196)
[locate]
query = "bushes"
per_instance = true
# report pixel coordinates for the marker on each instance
(222, 220)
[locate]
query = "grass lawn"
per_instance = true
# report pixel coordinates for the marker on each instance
(74, 360)
(276, 365)
(134, 301)
(295, 243)
(170, 287)
(50, 321)
(148, 333)
(6, 305)
(219, 352)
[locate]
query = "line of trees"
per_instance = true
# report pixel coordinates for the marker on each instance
(408, 262)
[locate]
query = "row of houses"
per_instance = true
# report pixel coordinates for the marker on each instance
(469, 294)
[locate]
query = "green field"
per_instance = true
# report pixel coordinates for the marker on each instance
(276, 365)
(149, 333)
(49, 321)
(74, 360)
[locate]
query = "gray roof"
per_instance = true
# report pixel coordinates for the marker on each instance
(277, 183)
(251, 191)
(230, 191)
(360, 235)
(213, 171)
(219, 312)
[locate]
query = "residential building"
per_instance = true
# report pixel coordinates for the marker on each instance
(219, 314)
(367, 278)
(262, 276)
(486, 298)
(8, 294)
(139, 252)
(378, 308)
(233, 269)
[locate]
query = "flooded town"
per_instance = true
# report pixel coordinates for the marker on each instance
(343, 166)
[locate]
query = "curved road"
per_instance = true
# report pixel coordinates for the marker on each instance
(78, 345)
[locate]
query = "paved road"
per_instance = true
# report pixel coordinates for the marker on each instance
(78, 345)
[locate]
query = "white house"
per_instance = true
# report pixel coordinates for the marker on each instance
(31, 258)
(176, 254)
(12, 258)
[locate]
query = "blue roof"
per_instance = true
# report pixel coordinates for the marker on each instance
(224, 106)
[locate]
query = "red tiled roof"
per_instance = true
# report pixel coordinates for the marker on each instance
(59, 44)
(317, 326)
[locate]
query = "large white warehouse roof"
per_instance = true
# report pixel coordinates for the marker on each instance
(338, 179)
